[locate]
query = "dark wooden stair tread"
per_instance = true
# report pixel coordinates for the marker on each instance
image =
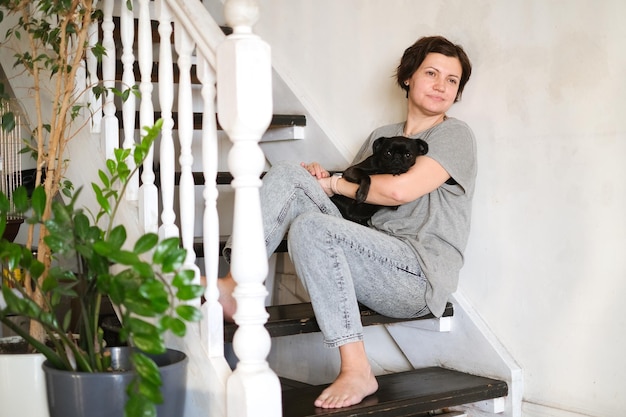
(403, 394)
(291, 319)
(198, 246)
(278, 120)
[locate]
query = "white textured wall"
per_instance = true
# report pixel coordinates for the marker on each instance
(547, 101)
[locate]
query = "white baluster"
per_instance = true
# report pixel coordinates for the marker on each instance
(213, 326)
(245, 110)
(127, 33)
(95, 107)
(110, 124)
(148, 193)
(186, 189)
(167, 160)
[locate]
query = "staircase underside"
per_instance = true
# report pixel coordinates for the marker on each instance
(291, 319)
(410, 393)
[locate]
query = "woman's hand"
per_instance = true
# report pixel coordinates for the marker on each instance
(326, 184)
(315, 169)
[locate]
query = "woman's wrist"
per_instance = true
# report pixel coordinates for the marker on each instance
(333, 183)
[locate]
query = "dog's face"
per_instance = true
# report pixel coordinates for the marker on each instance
(397, 154)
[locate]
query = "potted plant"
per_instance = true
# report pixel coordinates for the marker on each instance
(35, 283)
(149, 291)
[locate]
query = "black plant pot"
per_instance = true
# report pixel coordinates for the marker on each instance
(83, 394)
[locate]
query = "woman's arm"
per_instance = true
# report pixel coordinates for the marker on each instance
(424, 176)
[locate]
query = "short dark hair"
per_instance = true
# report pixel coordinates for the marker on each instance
(415, 54)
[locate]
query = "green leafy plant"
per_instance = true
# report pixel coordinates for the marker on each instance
(149, 285)
(49, 40)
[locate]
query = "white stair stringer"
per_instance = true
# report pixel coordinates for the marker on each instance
(469, 347)
(206, 376)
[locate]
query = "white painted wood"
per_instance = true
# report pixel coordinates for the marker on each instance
(22, 385)
(110, 124)
(443, 324)
(206, 377)
(127, 33)
(148, 193)
(543, 410)
(167, 158)
(493, 406)
(245, 110)
(283, 133)
(94, 104)
(304, 358)
(185, 47)
(214, 326)
(470, 347)
(195, 18)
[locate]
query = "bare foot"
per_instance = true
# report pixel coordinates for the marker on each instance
(226, 286)
(355, 381)
(349, 388)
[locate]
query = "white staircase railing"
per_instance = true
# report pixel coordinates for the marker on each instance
(240, 65)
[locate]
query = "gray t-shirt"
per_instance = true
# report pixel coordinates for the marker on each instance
(436, 225)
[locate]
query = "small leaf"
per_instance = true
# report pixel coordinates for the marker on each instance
(102, 201)
(183, 277)
(175, 325)
(104, 178)
(8, 121)
(20, 199)
(190, 292)
(117, 237)
(5, 204)
(189, 313)
(146, 243)
(146, 368)
(163, 248)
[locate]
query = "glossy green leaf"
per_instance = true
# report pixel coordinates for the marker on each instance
(5, 204)
(176, 326)
(190, 292)
(145, 243)
(163, 248)
(146, 368)
(38, 200)
(20, 199)
(8, 121)
(183, 277)
(117, 237)
(189, 313)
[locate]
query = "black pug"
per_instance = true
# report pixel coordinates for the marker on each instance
(394, 155)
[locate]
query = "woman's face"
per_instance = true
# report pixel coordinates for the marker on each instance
(434, 85)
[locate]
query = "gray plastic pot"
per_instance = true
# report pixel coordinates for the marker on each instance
(83, 394)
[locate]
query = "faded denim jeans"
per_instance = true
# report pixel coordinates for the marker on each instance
(339, 262)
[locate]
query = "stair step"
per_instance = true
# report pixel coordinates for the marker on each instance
(411, 393)
(292, 319)
(288, 384)
(198, 246)
(278, 120)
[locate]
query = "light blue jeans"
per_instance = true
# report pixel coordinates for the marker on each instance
(339, 262)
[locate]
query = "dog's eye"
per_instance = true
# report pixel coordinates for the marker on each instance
(388, 153)
(407, 155)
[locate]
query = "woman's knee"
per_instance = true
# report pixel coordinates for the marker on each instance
(309, 228)
(286, 169)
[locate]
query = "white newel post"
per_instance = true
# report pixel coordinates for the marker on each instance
(245, 109)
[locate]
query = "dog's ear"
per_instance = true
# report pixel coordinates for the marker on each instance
(378, 143)
(421, 147)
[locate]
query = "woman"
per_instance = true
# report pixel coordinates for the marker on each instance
(406, 263)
